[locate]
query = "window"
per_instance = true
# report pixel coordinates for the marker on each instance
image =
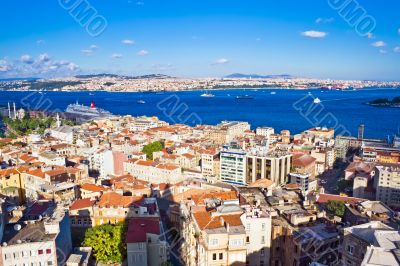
(40, 251)
(262, 252)
(247, 239)
(221, 256)
(214, 256)
(48, 251)
(49, 263)
(350, 249)
(262, 239)
(248, 226)
(214, 242)
(263, 226)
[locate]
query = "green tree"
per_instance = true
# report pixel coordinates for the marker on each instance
(107, 242)
(336, 208)
(152, 147)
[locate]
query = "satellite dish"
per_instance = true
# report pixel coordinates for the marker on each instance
(17, 227)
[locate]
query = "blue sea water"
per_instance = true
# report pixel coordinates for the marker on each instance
(282, 109)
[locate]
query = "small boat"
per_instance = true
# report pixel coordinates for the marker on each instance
(91, 94)
(207, 95)
(141, 102)
(273, 92)
(317, 100)
(244, 97)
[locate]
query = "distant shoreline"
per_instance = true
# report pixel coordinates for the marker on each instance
(204, 89)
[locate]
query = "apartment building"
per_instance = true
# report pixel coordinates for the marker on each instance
(44, 242)
(154, 172)
(274, 166)
(387, 184)
(372, 243)
(210, 163)
(233, 129)
(145, 244)
(233, 165)
(257, 224)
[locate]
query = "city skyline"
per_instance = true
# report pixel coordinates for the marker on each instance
(207, 39)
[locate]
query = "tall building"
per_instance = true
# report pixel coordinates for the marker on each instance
(257, 224)
(387, 184)
(274, 166)
(233, 165)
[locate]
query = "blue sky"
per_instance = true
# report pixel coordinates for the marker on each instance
(199, 39)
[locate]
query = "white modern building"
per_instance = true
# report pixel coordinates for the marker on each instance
(233, 165)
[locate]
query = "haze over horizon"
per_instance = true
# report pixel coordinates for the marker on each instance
(199, 39)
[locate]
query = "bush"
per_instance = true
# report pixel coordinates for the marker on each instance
(336, 208)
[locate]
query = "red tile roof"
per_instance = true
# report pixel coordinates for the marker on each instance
(138, 228)
(116, 200)
(324, 198)
(82, 204)
(93, 188)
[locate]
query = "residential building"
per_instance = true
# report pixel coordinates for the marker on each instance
(145, 243)
(233, 165)
(274, 165)
(365, 244)
(387, 184)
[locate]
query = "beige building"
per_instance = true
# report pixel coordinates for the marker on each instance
(387, 184)
(274, 166)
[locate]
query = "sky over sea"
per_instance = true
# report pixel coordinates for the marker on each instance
(318, 38)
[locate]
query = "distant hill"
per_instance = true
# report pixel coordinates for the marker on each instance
(256, 76)
(103, 75)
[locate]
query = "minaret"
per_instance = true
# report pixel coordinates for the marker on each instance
(15, 112)
(58, 120)
(9, 110)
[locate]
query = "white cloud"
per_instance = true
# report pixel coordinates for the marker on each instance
(396, 49)
(221, 61)
(116, 56)
(140, 3)
(128, 42)
(143, 53)
(5, 66)
(42, 66)
(72, 66)
(379, 44)
(314, 34)
(370, 35)
(87, 52)
(44, 57)
(382, 51)
(27, 59)
(90, 51)
(324, 20)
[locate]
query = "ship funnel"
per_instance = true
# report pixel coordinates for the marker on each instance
(92, 105)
